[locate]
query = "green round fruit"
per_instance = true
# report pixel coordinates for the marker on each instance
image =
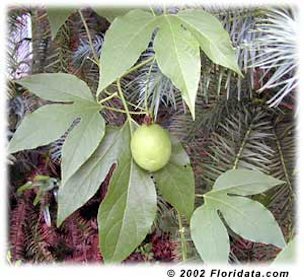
(151, 147)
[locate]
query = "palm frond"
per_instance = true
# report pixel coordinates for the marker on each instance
(282, 199)
(277, 56)
(19, 55)
(84, 50)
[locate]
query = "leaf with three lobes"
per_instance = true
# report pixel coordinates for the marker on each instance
(83, 184)
(209, 235)
(178, 57)
(126, 214)
(57, 17)
(212, 37)
(81, 142)
(244, 216)
(127, 37)
(249, 219)
(50, 122)
(176, 180)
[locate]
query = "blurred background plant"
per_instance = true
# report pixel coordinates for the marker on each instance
(245, 122)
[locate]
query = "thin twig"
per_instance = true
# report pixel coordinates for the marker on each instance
(124, 104)
(123, 111)
(138, 66)
(108, 98)
(89, 35)
(147, 86)
(131, 70)
(182, 237)
(152, 11)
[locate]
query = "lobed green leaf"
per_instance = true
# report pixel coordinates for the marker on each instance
(81, 142)
(51, 121)
(248, 218)
(83, 184)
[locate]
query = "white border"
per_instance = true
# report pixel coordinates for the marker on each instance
(45, 272)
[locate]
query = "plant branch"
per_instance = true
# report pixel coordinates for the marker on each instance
(93, 60)
(139, 65)
(89, 35)
(122, 111)
(108, 98)
(131, 70)
(147, 86)
(152, 11)
(128, 102)
(135, 106)
(182, 237)
(124, 104)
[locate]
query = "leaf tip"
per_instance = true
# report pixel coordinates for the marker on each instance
(11, 149)
(58, 222)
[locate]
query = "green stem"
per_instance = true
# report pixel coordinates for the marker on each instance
(182, 237)
(124, 104)
(147, 86)
(135, 106)
(122, 111)
(129, 103)
(88, 34)
(108, 98)
(131, 70)
(139, 65)
(109, 93)
(95, 62)
(152, 11)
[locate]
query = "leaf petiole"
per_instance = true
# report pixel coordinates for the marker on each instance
(108, 98)
(93, 60)
(182, 237)
(139, 65)
(123, 111)
(89, 35)
(124, 104)
(147, 86)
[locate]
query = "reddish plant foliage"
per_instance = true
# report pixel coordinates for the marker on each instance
(163, 247)
(34, 239)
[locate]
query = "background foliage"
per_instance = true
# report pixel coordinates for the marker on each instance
(246, 122)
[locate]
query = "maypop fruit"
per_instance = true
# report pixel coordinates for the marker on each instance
(151, 147)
